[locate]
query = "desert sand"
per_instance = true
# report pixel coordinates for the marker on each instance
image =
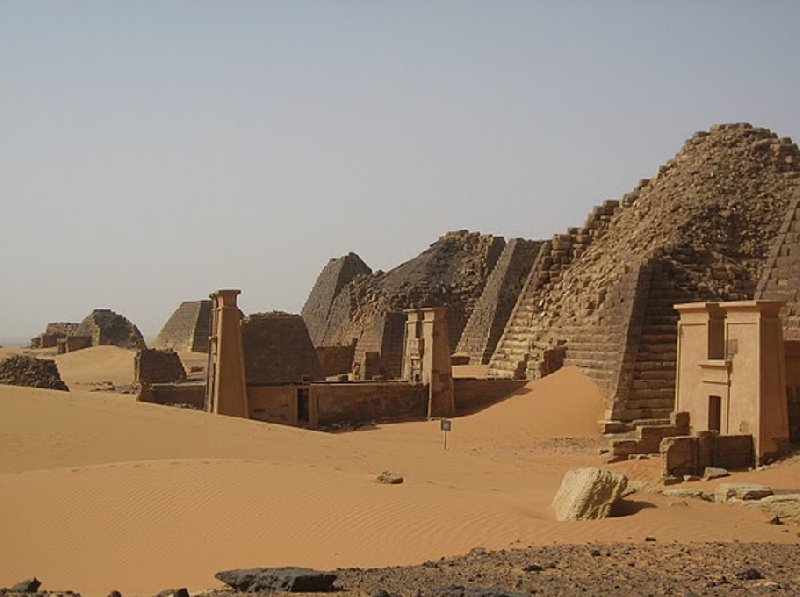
(99, 492)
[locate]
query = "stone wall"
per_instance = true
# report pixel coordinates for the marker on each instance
(273, 404)
(53, 333)
(699, 230)
(690, 455)
(73, 343)
(191, 395)
(106, 327)
(491, 312)
(187, 328)
(346, 404)
(157, 366)
(277, 349)
(451, 273)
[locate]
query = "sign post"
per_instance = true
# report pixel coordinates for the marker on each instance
(445, 425)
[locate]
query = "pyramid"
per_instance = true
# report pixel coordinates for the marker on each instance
(187, 328)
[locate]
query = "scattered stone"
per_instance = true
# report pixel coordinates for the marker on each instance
(390, 478)
(713, 472)
(115, 593)
(688, 478)
(649, 539)
(726, 492)
(182, 592)
(776, 520)
(293, 580)
(459, 591)
(588, 493)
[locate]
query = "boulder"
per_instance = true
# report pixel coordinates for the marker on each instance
(786, 506)
(588, 493)
(293, 580)
(390, 478)
(726, 492)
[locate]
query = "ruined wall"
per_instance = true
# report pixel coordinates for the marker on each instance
(336, 360)
(333, 277)
(73, 343)
(187, 328)
(273, 404)
(277, 349)
(191, 395)
(451, 273)
(334, 404)
(21, 370)
(53, 333)
(491, 312)
(106, 327)
(699, 230)
(157, 366)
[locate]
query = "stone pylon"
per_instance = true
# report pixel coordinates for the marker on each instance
(427, 358)
(226, 389)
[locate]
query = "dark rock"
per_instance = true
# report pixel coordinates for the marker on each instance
(115, 593)
(293, 580)
(29, 585)
(749, 574)
(182, 592)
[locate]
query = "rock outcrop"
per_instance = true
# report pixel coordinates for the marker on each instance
(104, 326)
(602, 294)
(588, 493)
(267, 580)
(21, 370)
(369, 308)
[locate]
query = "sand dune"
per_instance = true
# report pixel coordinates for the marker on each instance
(101, 492)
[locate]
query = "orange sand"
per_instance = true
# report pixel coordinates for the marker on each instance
(98, 492)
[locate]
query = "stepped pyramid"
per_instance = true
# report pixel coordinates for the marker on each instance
(333, 277)
(602, 294)
(781, 279)
(187, 328)
(104, 326)
(491, 312)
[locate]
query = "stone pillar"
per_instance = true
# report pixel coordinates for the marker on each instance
(226, 390)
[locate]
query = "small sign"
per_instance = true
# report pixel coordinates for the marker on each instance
(445, 424)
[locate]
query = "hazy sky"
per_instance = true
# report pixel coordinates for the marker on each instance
(151, 152)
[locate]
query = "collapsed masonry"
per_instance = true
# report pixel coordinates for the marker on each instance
(350, 302)
(601, 296)
(21, 370)
(53, 333)
(104, 327)
(187, 328)
(101, 326)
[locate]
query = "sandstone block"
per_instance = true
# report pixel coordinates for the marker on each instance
(726, 492)
(588, 493)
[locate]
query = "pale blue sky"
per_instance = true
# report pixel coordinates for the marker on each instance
(151, 152)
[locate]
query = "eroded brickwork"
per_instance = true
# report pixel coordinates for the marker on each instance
(278, 349)
(451, 273)
(157, 366)
(106, 327)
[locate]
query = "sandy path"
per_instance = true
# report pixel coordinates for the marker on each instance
(101, 492)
